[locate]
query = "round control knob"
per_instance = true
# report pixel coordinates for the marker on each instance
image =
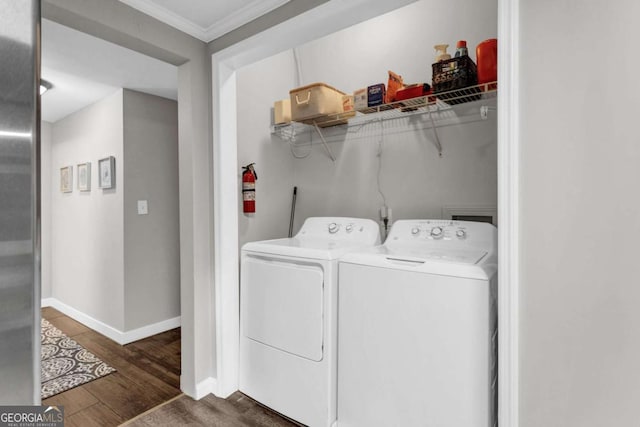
(461, 234)
(333, 228)
(436, 232)
(349, 228)
(415, 231)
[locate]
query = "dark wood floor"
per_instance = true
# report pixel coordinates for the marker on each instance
(235, 411)
(148, 374)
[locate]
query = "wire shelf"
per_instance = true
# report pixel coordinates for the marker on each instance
(439, 106)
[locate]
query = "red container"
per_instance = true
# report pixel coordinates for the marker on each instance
(412, 91)
(487, 59)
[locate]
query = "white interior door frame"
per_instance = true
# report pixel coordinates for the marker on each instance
(323, 20)
(508, 212)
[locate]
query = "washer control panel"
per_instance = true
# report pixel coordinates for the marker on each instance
(438, 230)
(357, 229)
(432, 230)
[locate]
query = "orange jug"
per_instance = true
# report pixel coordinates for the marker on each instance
(487, 60)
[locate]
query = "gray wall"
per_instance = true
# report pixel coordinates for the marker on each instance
(274, 162)
(87, 227)
(580, 214)
(107, 261)
(416, 182)
(151, 242)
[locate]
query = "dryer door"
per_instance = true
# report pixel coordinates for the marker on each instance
(282, 305)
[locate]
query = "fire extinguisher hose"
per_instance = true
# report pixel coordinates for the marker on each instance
(293, 210)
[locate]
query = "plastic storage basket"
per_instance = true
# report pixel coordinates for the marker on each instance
(315, 103)
(454, 74)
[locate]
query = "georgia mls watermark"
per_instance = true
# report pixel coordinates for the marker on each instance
(32, 416)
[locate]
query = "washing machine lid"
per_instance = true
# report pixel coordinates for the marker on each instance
(471, 263)
(311, 248)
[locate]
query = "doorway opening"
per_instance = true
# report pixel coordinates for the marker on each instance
(287, 36)
(225, 66)
(110, 222)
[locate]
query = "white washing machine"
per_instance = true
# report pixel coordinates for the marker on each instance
(417, 328)
(288, 316)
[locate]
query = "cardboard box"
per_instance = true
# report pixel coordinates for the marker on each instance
(360, 99)
(347, 103)
(282, 112)
(375, 95)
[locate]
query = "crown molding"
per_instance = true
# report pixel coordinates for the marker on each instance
(240, 17)
(229, 23)
(168, 17)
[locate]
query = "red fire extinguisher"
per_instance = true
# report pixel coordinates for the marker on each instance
(249, 178)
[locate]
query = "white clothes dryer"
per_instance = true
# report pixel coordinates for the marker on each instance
(288, 316)
(417, 328)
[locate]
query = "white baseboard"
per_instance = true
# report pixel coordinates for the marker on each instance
(205, 387)
(118, 336)
(46, 302)
(149, 330)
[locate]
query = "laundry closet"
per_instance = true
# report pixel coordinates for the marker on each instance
(425, 159)
(393, 162)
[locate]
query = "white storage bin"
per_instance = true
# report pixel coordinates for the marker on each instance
(315, 101)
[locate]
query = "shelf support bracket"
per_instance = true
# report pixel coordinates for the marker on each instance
(484, 112)
(435, 133)
(324, 142)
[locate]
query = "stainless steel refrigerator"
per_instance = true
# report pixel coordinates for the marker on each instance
(19, 202)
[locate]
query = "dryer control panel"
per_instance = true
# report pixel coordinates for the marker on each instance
(445, 232)
(340, 228)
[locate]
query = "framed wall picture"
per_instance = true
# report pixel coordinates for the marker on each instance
(107, 172)
(84, 177)
(66, 179)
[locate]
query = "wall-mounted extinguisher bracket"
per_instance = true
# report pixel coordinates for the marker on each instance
(249, 178)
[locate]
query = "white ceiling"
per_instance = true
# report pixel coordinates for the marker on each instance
(205, 19)
(84, 69)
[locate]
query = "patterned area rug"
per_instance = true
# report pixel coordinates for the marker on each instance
(65, 363)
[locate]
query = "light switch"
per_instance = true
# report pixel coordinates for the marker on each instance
(143, 207)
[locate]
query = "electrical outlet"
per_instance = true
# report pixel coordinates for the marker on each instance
(143, 207)
(383, 212)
